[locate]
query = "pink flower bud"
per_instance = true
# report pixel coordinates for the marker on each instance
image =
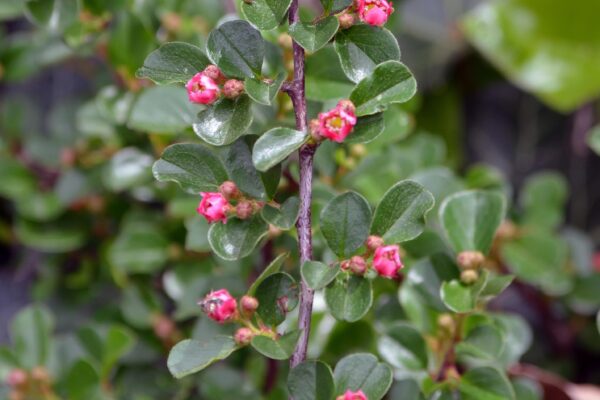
(387, 261)
(244, 210)
(470, 259)
(249, 304)
(243, 336)
(346, 20)
(213, 207)
(373, 242)
(219, 306)
(358, 265)
(336, 124)
(350, 395)
(202, 89)
(229, 190)
(375, 12)
(214, 73)
(314, 126)
(233, 89)
(16, 378)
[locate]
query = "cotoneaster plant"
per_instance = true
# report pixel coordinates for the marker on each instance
(249, 64)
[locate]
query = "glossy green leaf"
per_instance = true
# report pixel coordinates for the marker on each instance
(485, 383)
(276, 145)
(363, 47)
(193, 166)
(129, 42)
(470, 219)
(483, 344)
(265, 14)
(162, 109)
(31, 334)
(190, 356)
(51, 237)
(311, 380)
(390, 82)
(127, 168)
(427, 276)
(362, 371)
(138, 249)
(237, 49)
(558, 59)
(237, 238)
(458, 297)
(527, 389)
(543, 199)
(40, 207)
(312, 37)
(277, 295)
(82, 381)
(367, 129)
(345, 223)
(54, 15)
(280, 349)
(317, 275)
(332, 6)
(283, 217)
(264, 92)
(404, 348)
(518, 337)
(174, 62)
(269, 270)
(400, 215)
(349, 298)
(225, 121)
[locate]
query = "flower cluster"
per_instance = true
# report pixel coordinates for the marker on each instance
(372, 12)
(469, 262)
(350, 395)
(335, 124)
(386, 259)
(217, 207)
(35, 383)
(204, 87)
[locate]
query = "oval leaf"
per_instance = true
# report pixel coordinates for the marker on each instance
(280, 349)
(225, 122)
(237, 238)
(174, 62)
(266, 14)
(400, 216)
(263, 92)
(314, 36)
(237, 48)
(275, 145)
(277, 295)
(345, 223)
(457, 296)
(190, 356)
(349, 298)
(317, 275)
(283, 217)
(272, 268)
(485, 383)
(404, 348)
(311, 380)
(390, 82)
(362, 371)
(367, 128)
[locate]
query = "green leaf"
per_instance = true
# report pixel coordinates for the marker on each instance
(55, 237)
(593, 139)
(16, 181)
(266, 14)
(470, 219)
(276, 145)
(237, 238)
(543, 199)
(312, 37)
(496, 285)
(556, 62)
(283, 217)
(193, 166)
(128, 168)
(174, 62)
(390, 82)
(317, 275)
(139, 249)
(237, 49)
(483, 344)
(403, 348)
(225, 121)
(349, 298)
(269, 270)
(485, 383)
(527, 389)
(264, 92)
(40, 207)
(129, 41)
(311, 380)
(400, 215)
(517, 337)
(332, 6)
(427, 276)
(367, 129)
(458, 297)
(54, 15)
(162, 109)
(277, 295)
(345, 223)
(363, 47)
(190, 356)
(82, 381)
(31, 334)
(363, 372)
(280, 349)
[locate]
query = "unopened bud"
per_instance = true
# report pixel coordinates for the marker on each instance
(40, 374)
(233, 89)
(446, 322)
(229, 190)
(452, 374)
(346, 20)
(358, 265)
(243, 336)
(249, 305)
(347, 106)
(373, 242)
(285, 41)
(358, 150)
(469, 276)
(244, 210)
(163, 327)
(315, 130)
(17, 378)
(470, 259)
(507, 230)
(214, 73)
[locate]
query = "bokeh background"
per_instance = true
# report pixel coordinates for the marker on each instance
(508, 94)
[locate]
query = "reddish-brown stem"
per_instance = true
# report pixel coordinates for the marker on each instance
(295, 90)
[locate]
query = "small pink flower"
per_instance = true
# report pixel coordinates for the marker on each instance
(213, 207)
(219, 306)
(202, 89)
(375, 12)
(387, 261)
(350, 395)
(16, 378)
(336, 124)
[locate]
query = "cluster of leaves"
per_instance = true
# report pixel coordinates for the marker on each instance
(432, 330)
